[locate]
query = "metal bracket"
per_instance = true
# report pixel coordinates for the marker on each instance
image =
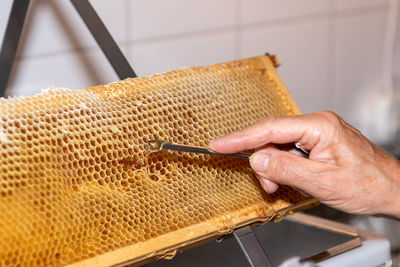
(10, 41)
(104, 39)
(92, 20)
(251, 247)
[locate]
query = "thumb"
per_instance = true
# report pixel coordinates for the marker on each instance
(285, 168)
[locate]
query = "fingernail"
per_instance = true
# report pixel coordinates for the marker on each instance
(259, 162)
(213, 141)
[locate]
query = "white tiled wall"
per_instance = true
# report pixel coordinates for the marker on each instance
(304, 50)
(358, 53)
(331, 49)
(258, 11)
(358, 4)
(74, 69)
(150, 19)
(53, 26)
(199, 49)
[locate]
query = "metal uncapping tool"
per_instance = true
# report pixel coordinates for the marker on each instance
(164, 145)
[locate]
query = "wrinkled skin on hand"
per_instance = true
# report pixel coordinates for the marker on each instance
(344, 169)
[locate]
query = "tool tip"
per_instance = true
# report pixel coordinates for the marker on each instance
(155, 144)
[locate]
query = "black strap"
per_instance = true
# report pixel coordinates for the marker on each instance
(104, 39)
(10, 41)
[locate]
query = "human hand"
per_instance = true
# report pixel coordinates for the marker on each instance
(344, 169)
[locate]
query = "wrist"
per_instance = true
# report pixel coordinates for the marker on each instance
(391, 208)
(391, 201)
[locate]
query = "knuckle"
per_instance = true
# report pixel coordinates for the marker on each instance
(266, 120)
(332, 117)
(278, 169)
(355, 130)
(333, 125)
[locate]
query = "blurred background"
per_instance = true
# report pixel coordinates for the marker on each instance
(341, 55)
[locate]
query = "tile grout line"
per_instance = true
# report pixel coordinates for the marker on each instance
(86, 48)
(235, 28)
(126, 26)
(332, 53)
(128, 22)
(238, 30)
(316, 16)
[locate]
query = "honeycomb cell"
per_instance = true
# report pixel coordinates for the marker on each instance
(78, 183)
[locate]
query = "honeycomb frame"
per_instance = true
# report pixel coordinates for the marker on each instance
(79, 187)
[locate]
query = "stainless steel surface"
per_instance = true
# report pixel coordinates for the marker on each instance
(320, 223)
(164, 145)
(300, 235)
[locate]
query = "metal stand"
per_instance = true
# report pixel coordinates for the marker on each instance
(251, 247)
(96, 27)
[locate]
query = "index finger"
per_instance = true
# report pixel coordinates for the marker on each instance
(278, 130)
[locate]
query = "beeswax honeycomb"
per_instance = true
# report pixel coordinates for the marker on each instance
(79, 186)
